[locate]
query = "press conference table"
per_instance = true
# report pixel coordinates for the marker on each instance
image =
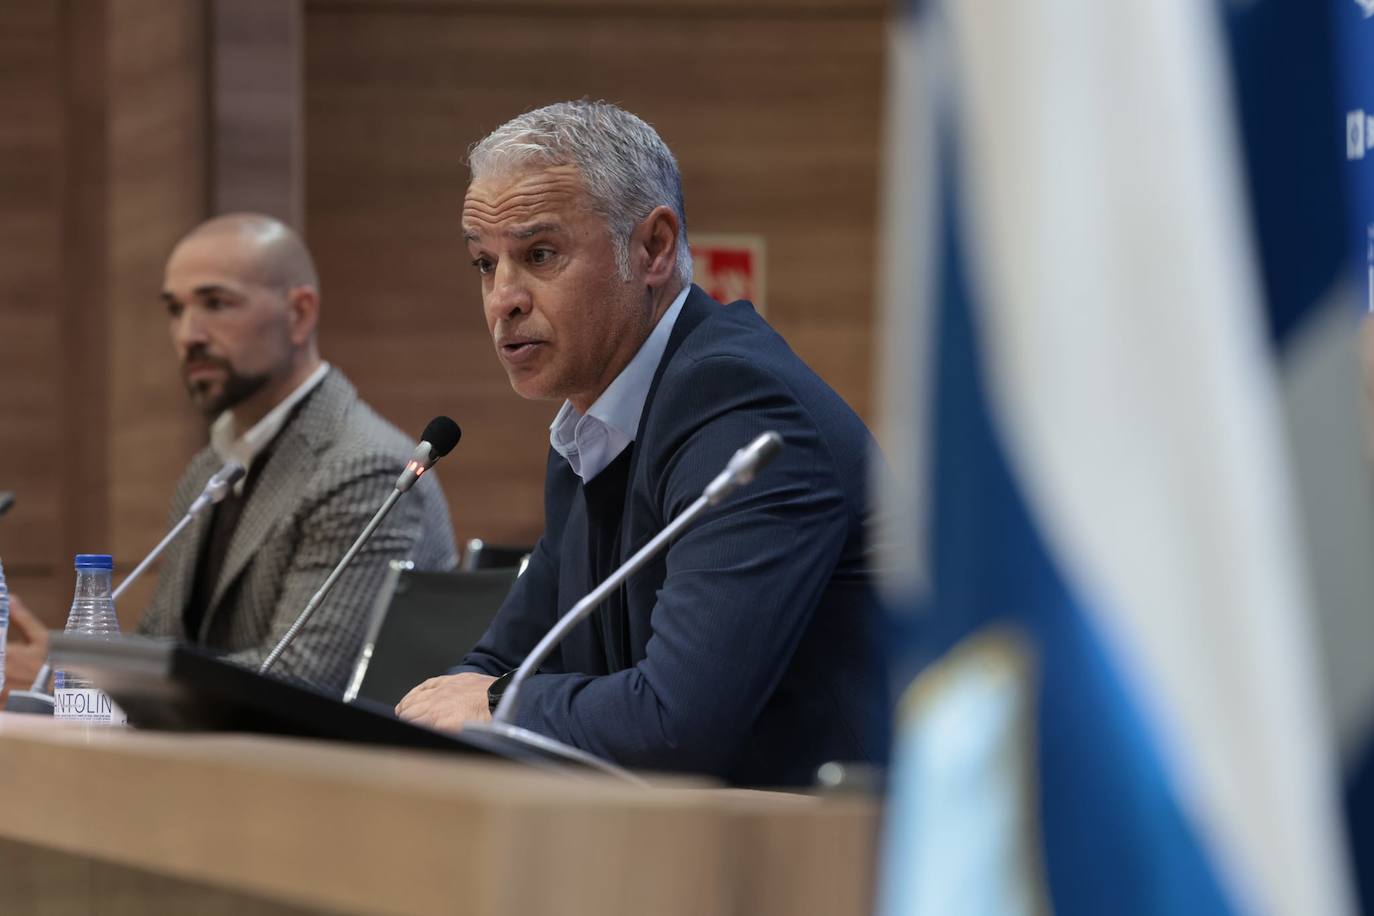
(124, 821)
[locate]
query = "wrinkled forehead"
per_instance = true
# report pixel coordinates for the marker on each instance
(503, 197)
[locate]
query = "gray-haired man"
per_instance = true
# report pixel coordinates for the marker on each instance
(748, 650)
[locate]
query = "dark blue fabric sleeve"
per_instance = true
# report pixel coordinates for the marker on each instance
(740, 589)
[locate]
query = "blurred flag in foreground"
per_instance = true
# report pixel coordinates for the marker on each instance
(1116, 700)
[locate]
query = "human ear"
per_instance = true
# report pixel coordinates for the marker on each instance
(303, 311)
(661, 234)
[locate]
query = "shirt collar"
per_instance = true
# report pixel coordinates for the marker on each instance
(230, 446)
(614, 416)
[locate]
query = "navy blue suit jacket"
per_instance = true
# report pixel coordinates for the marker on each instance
(753, 639)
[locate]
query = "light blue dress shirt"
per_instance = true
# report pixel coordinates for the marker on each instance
(592, 441)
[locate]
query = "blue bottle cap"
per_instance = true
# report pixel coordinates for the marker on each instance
(94, 561)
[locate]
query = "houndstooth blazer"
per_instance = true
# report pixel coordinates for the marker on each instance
(331, 468)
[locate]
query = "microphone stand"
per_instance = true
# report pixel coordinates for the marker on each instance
(36, 699)
(741, 470)
(422, 460)
(319, 596)
(216, 488)
(156, 552)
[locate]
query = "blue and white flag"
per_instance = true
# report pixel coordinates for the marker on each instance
(1348, 614)
(1117, 701)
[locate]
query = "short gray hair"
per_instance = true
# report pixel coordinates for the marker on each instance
(627, 168)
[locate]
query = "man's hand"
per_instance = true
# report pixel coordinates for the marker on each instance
(449, 702)
(26, 648)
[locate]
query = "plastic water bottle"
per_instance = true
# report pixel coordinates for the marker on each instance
(4, 622)
(93, 614)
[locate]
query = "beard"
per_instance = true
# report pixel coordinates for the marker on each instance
(212, 400)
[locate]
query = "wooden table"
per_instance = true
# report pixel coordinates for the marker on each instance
(123, 821)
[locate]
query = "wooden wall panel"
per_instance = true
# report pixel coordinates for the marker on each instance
(773, 112)
(257, 129)
(101, 164)
(157, 190)
(83, 414)
(533, 9)
(33, 346)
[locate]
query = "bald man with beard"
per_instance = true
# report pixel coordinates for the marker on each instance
(243, 303)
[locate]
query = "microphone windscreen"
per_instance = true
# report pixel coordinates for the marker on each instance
(442, 434)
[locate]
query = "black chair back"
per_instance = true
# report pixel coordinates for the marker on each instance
(423, 624)
(481, 555)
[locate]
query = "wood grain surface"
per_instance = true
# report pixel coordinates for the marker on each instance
(372, 830)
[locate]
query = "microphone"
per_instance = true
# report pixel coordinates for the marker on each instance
(438, 439)
(6, 501)
(743, 466)
(36, 699)
(216, 488)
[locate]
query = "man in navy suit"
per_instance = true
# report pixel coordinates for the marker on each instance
(749, 649)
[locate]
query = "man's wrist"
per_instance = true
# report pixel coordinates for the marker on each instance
(495, 689)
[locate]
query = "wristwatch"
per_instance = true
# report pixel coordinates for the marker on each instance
(497, 688)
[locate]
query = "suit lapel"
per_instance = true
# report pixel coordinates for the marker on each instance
(281, 483)
(696, 309)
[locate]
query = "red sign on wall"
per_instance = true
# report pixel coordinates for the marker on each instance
(729, 267)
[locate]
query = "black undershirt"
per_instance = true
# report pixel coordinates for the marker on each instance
(605, 501)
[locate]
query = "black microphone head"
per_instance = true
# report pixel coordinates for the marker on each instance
(442, 434)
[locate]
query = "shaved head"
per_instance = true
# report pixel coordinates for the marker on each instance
(243, 299)
(274, 254)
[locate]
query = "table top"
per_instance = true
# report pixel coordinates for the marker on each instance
(369, 829)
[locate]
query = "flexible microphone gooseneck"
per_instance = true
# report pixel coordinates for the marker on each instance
(36, 699)
(438, 439)
(741, 469)
(216, 488)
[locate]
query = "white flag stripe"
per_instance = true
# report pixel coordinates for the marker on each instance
(1131, 380)
(909, 217)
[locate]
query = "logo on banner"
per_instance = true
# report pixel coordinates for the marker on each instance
(1367, 6)
(1359, 132)
(729, 267)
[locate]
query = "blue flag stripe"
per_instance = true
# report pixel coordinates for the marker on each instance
(1098, 768)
